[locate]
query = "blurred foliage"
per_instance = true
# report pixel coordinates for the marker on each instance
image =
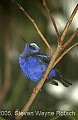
(2, 118)
(14, 24)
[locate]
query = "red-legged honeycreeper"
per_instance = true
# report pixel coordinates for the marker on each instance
(34, 64)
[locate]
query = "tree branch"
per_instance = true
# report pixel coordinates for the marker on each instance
(35, 25)
(68, 23)
(39, 85)
(65, 45)
(64, 53)
(53, 21)
(71, 38)
(54, 59)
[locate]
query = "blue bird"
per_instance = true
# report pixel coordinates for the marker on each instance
(34, 64)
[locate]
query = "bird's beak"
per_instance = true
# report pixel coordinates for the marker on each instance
(24, 40)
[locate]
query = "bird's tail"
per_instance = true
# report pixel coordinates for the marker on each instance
(59, 78)
(64, 82)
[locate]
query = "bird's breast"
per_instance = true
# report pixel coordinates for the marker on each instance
(32, 67)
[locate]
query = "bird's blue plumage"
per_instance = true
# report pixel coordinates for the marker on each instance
(34, 64)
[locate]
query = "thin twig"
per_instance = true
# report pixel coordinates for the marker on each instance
(64, 53)
(35, 25)
(68, 23)
(53, 21)
(71, 38)
(65, 45)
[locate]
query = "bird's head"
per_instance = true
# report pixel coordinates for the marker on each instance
(31, 48)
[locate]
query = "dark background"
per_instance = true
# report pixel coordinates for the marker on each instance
(15, 89)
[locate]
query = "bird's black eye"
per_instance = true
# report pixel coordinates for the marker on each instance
(32, 47)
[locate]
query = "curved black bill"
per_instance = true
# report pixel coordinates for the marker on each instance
(23, 40)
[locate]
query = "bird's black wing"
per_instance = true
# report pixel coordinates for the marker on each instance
(40, 57)
(43, 58)
(61, 79)
(46, 59)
